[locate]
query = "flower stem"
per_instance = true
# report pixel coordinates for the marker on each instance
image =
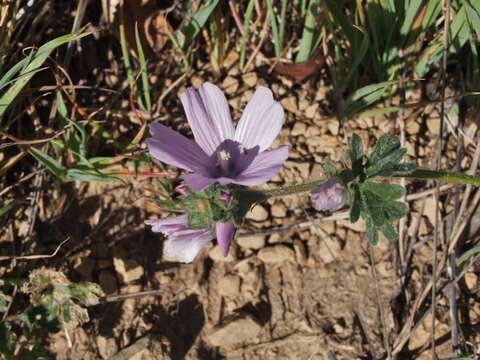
(444, 176)
(293, 189)
(448, 177)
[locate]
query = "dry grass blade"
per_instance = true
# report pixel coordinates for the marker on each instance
(36, 257)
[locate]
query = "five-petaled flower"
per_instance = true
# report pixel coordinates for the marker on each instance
(220, 154)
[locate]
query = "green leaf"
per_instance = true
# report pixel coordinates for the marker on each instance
(310, 33)
(467, 254)
(273, 25)
(88, 175)
(389, 231)
(372, 234)
(473, 17)
(143, 70)
(356, 204)
(385, 166)
(403, 169)
(356, 148)
(184, 37)
(385, 191)
(7, 208)
(395, 210)
(373, 206)
(36, 62)
(365, 97)
(50, 163)
(246, 32)
(385, 145)
(3, 303)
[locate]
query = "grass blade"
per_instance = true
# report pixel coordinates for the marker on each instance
(309, 34)
(246, 32)
(36, 62)
(273, 24)
(143, 71)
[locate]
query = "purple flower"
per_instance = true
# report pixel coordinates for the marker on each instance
(330, 196)
(220, 152)
(184, 243)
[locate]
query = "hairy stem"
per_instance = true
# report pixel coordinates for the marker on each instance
(444, 176)
(293, 189)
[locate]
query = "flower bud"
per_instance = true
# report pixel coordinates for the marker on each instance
(330, 196)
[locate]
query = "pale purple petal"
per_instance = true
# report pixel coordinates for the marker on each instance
(168, 146)
(330, 196)
(197, 182)
(208, 115)
(225, 233)
(261, 120)
(184, 245)
(169, 225)
(264, 167)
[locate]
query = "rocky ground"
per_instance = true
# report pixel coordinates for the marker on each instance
(295, 285)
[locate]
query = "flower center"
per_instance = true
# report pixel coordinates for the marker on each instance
(223, 155)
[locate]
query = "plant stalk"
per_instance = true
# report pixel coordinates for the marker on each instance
(421, 174)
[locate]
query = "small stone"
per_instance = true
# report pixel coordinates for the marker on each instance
(312, 131)
(128, 270)
(234, 331)
(196, 81)
(276, 254)
(251, 242)
(290, 104)
(359, 226)
(257, 213)
(229, 285)
(430, 209)
(107, 347)
(471, 281)
(333, 126)
(243, 267)
(300, 251)
(279, 210)
(275, 238)
(298, 129)
(230, 85)
(216, 255)
(329, 249)
(250, 79)
(311, 111)
(412, 128)
(107, 282)
(433, 125)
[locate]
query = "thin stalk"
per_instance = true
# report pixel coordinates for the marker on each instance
(293, 189)
(246, 32)
(273, 24)
(437, 190)
(422, 174)
(445, 176)
(283, 11)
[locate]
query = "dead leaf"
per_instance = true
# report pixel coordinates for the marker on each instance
(302, 71)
